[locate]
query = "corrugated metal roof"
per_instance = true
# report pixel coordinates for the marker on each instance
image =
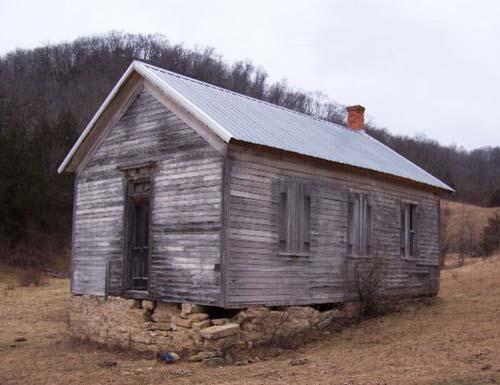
(232, 115)
(255, 121)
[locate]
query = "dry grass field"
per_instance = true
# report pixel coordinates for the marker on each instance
(478, 215)
(464, 218)
(456, 341)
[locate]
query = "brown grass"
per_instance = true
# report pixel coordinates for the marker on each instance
(31, 277)
(478, 215)
(453, 342)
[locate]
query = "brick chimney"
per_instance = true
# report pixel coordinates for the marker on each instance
(356, 117)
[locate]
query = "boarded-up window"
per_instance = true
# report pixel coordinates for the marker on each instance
(409, 230)
(294, 218)
(359, 224)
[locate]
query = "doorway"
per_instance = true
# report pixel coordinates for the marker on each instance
(139, 194)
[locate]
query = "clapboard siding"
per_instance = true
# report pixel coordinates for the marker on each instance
(258, 274)
(186, 207)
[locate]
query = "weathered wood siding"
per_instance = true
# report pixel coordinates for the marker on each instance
(258, 274)
(186, 207)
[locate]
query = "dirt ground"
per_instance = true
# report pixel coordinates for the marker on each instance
(455, 341)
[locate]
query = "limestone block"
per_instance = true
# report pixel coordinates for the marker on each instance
(183, 322)
(220, 321)
(197, 317)
(256, 311)
(190, 308)
(163, 312)
(221, 343)
(163, 342)
(249, 326)
(303, 312)
(164, 326)
(201, 325)
(220, 331)
(150, 305)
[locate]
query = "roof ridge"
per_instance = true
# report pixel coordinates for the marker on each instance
(156, 68)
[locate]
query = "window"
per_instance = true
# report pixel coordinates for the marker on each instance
(359, 224)
(409, 230)
(294, 218)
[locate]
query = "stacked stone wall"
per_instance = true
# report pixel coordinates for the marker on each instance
(186, 328)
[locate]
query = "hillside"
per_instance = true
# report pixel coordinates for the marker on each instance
(462, 224)
(455, 341)
(477, 215)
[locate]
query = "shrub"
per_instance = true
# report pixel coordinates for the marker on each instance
(494, 200)
(490, 236)
(31, 277)
(370, 280)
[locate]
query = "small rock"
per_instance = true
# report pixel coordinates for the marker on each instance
(150, 305)
(486, 367)
(255, 359)
(20, 339)
(214, 362)
(242, 362)
(107, 364)
(203, 356)
(169, 357)
(298, 361)
(182, 372)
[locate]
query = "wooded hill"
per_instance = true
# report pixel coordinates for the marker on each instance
(48, 95)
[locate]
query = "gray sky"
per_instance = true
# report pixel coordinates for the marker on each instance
(419, 67)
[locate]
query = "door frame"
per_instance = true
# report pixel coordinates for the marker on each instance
(131, 201)
(136, 174)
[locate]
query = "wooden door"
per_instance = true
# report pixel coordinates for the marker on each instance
(139, 236)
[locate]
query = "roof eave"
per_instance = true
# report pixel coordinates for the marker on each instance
(435, 188)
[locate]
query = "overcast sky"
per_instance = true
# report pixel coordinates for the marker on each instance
(419, 67)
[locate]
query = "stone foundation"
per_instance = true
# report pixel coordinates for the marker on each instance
(186, 328)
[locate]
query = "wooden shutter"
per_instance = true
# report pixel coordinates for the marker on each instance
(283, 216)
(350, 222)
(403, 229)
(294, 217)
(418, 217)
(306, 220)
(368, 226)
